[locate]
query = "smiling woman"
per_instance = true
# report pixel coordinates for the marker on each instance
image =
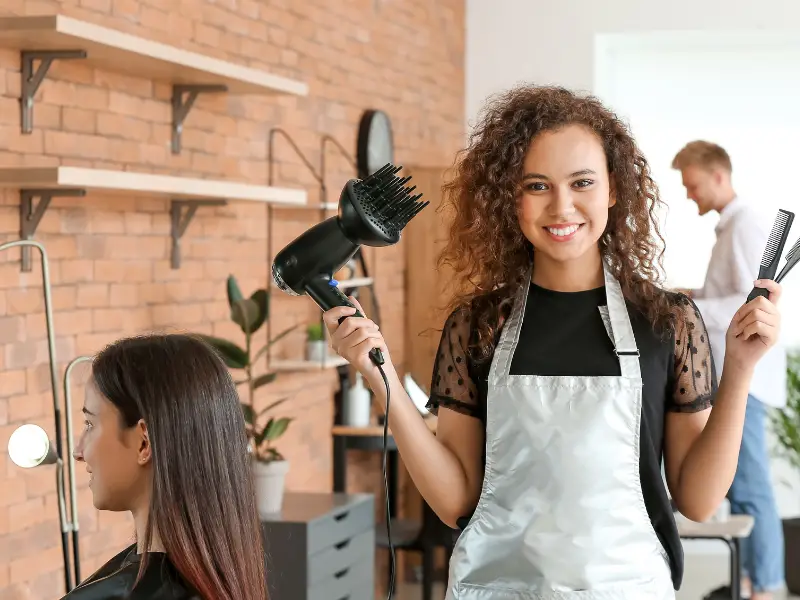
(164, 438)
(565, 373)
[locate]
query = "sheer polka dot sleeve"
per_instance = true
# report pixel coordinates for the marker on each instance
(695, 372)
(451, 385)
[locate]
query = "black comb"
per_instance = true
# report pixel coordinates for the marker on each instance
(792, 258)
(773, 251)
(384, 204)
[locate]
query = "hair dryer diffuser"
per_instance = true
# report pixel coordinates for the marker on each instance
(372, 212)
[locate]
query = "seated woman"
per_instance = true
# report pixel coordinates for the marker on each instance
(165, 439)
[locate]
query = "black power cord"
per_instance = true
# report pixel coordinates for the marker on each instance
(392, 573)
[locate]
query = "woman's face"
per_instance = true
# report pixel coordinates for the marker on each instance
(117, 458)
(563, 206)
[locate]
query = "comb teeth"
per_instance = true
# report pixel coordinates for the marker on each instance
(794, 251)
(777, 238)
(385, 198)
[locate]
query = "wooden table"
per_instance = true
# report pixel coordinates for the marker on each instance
(370, 438)
(731, 531)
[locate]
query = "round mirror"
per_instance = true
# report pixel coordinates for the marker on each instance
(29, 447)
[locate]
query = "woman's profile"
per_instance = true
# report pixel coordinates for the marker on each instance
(565, 373)
(164, 438)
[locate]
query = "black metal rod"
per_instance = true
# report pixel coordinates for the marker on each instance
(65, 552)
(76, 556)
(295, 147)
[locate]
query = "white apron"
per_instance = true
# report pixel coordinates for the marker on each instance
(561, 513)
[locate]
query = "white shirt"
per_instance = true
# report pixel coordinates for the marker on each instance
(735, 260)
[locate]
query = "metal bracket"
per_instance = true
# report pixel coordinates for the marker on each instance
(180, 222)
(29, 217)
(31, 80)
(181, 107)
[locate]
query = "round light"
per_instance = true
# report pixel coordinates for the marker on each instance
(29, 446)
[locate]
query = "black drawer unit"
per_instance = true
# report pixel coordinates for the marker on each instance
(321, 547)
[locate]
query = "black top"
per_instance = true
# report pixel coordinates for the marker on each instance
(563, 334)
(114, 580)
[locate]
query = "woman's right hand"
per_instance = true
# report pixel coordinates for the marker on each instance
(355, 337)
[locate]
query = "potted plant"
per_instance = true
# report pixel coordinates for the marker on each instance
(269, 465)
(786, 424)
(316, 348)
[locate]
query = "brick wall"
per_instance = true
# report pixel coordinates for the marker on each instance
(109, 255)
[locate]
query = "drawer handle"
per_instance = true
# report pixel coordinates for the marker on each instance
(345, 597)
(341, 573)
(343, 544)
(341, 516)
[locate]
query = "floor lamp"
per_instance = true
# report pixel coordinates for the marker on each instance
(30, 447)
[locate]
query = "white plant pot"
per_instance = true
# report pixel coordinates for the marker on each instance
(270, 480)
(316, 351)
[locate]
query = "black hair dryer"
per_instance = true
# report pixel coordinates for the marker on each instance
(372, 212)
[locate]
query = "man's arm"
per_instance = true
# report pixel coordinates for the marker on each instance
(748, 242)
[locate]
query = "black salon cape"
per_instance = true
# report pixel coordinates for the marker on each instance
(114, 580)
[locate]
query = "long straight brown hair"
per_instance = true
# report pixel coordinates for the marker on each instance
(203, 500)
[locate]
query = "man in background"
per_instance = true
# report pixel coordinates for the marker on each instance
(741, 239)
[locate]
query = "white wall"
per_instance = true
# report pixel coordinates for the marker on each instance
(552, 41)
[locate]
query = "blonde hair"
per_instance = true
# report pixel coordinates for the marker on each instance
(702, 154)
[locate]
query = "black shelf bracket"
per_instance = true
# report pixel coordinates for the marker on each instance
(181, 107)
(32, 78)
(30, 216)
(181, 220)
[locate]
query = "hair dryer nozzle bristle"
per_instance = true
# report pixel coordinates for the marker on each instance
(383, 203)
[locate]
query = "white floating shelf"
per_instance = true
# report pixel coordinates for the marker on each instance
(124, 53)
(355, 282)
(187, 194)
(326, 206)
(306, 365)
(145, 183)
(44, 39)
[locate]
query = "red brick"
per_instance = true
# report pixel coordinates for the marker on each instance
(78, 119)
(110, 254)
(28, 568)
(12, 383)
(13, 489)
(76, 271)
(92, 295)
(22, 408)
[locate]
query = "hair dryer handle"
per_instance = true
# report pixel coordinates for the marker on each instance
(327, 294)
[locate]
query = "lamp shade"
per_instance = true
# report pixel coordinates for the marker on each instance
(30, 447)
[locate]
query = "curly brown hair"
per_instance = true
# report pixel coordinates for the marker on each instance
(487, 249)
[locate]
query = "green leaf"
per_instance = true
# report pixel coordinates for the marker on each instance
(274, 340)
(271, 406)
(276, 428)
(234, 293)
(261, 299)
(233, 356)
(786, 421)
(314, 332)
(264, 380)
(262, 435)
(245, 313)
(249, 414)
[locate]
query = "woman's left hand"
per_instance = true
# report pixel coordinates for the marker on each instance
(755, 328)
